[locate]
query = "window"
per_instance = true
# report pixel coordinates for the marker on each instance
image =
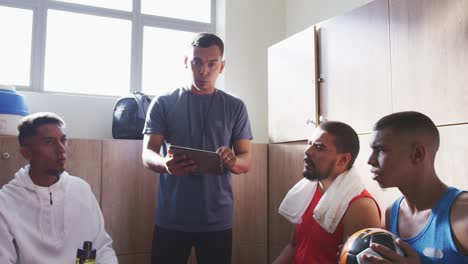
(99, 47)
(164, 56)
(192, 10)
(113, 4)
(95, 50)
(15, 45)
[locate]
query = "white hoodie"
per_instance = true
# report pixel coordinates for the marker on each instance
(48, 224)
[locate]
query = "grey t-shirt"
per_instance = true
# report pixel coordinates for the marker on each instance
(196, 202)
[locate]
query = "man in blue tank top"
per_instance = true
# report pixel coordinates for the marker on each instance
(431, 218)
(195, 209)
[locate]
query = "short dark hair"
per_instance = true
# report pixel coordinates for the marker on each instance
(409, 121)
(346, 139)
(28, 125)
(206, 40)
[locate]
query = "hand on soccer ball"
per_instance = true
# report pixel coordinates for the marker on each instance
(390, 256)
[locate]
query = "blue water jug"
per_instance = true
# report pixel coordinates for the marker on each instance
(12, 108)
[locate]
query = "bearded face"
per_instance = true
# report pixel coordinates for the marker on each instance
(313, 173)
(320, 157)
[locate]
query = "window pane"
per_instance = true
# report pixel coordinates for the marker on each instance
(196, 10)
(87, 54)
(163, 59)
(125, 5)
(15, 45)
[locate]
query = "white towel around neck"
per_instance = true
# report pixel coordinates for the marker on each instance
(332, 205)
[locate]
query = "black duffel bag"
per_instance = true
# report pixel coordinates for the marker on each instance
(129, 116)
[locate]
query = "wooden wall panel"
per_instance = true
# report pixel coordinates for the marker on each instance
(430, 58)
(354, 55)
(285, 166)
(275, 250)
(10, 158)
(250, 201)
(242, 254)
(128, 196)
(249, 254)
(135, 259)
(84, 161)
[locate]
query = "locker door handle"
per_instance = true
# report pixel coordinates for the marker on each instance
(6, 155)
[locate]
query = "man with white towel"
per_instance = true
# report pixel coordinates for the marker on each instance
(331, 202)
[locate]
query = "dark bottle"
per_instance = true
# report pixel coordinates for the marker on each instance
(86, 255)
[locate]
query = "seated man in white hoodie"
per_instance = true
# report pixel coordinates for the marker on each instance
(45, 213)
(330, 203)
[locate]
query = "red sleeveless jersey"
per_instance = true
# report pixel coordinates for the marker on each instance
(314, 245)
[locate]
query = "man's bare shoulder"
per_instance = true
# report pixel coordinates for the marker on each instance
(460, 207)
(362, 213)
(459, 222)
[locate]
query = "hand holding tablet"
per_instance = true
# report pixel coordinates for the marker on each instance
(208, 162)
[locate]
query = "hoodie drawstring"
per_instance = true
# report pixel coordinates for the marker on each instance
(51, 198)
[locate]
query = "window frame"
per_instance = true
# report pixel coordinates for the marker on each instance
(138, 22)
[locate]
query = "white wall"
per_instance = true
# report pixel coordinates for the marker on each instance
(85, 116)
(251, 27)
(248, 27)
(301, 14)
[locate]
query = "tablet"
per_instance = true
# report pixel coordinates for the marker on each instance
(208, 162)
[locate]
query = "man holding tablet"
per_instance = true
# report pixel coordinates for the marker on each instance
(194, 208)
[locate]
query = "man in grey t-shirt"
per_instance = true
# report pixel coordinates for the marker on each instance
(194, 209)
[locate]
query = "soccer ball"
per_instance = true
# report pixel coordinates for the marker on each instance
(360, 241)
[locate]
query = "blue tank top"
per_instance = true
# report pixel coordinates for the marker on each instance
(434, 243)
